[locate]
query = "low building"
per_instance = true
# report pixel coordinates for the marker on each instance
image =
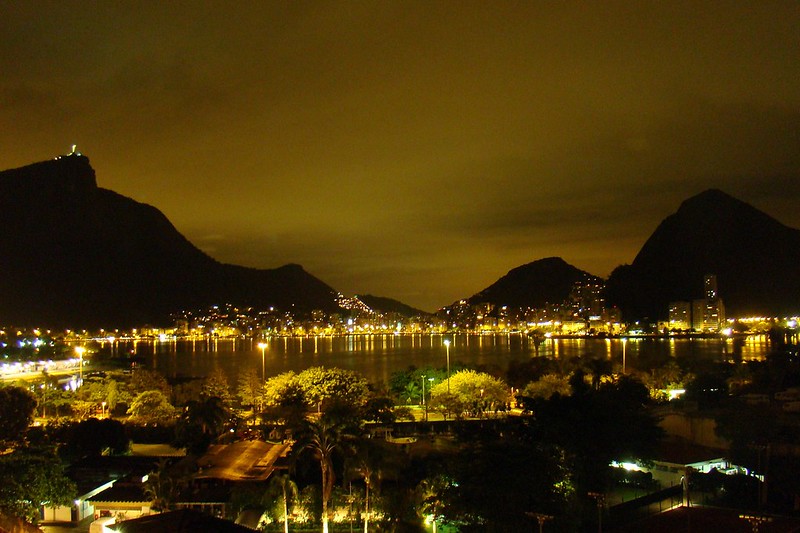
(180, 521)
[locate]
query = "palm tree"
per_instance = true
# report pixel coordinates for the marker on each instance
(282, 484)
(597, 367)
(429, 497)
(210, 414)
(368, 464)
(200, 423)
(322, 438)
(162, 487)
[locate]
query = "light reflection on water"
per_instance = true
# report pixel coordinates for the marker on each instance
(376, 357)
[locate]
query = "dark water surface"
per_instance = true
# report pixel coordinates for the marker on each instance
(376, 357)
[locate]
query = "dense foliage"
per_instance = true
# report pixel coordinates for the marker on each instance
(16, 412)
(31, 478)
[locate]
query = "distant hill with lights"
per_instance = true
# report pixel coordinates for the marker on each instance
(73, 253)
(755, 258)
(535, 285)
(383, 305)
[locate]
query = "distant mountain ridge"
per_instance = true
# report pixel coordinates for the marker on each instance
(536, 284)
(73, 253)
(756, 260)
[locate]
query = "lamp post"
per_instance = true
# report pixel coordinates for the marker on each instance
(80, 351)
(541, 518)
(424, 404)
(262, 346)
(447, 347)
(104, 408)
(601, 501)
(430, 388)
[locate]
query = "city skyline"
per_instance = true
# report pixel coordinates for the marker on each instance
(415, 151)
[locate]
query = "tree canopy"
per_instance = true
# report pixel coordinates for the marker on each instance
(470, 392)
(17, 406)
(32, 479)
(318, 387)
(151, 407)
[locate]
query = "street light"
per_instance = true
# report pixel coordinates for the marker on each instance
(447, 347)
(424, 405)
(601, 501)
(80, 350)
(262, 346)
(430, 388)
(541, 518)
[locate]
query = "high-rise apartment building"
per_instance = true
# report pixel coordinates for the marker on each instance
(710, 286)
(680, 315)
(706, 314)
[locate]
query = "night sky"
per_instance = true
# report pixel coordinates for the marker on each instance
(416, 150)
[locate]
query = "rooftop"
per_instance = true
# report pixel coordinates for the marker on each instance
(242, 461)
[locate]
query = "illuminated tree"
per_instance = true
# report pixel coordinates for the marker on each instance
(471, 391)
(31, 480)
(598, 368)
(145, 380)
(365, 464)
(250, 388)
(664, 377)
(412, 392)
(216, 386)
(112, 395)
(151, 407)
(548, 385)
(82, 409)
(282, 486)
(379, 409)
(428, 498)
(322, 438)
(283, 389)
(284, 400)
(332, 385)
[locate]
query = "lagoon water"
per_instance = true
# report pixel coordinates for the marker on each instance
(376, 357)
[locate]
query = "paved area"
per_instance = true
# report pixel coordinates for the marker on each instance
(80, 527)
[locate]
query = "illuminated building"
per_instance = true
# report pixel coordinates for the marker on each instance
(680, 315)
(705, 314)
(710, 286)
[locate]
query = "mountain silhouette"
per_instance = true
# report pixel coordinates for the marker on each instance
(382, 304)
(536, 284)
(72, 253)
(756, 260)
